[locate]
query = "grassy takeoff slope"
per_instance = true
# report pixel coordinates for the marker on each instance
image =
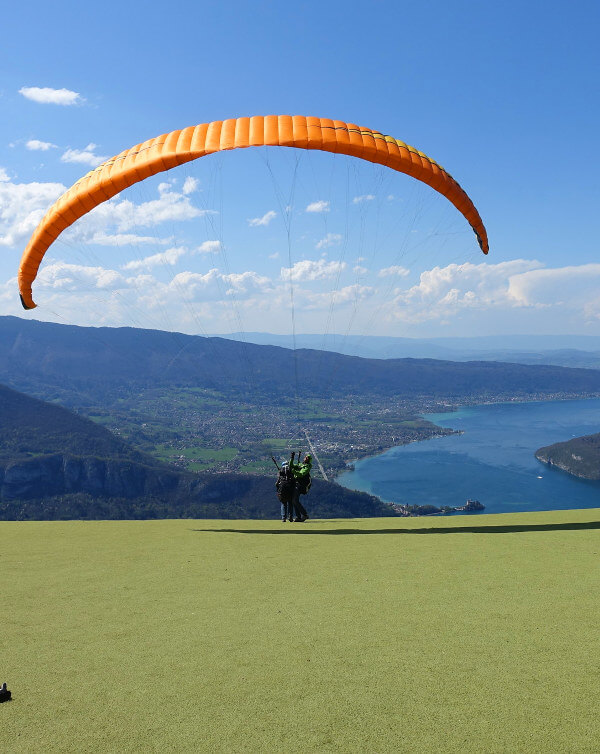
(462, 634)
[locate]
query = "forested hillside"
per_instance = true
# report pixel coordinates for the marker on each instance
(579, 456)
(57, 465)
(57, 359)
(31, 427)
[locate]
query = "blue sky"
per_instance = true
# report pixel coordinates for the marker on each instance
(504, 96)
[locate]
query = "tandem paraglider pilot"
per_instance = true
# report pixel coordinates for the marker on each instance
(301, 472)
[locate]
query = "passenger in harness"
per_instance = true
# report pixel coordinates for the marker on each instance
(285, 486)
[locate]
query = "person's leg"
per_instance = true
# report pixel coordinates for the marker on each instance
(294, 506)
(300, 509)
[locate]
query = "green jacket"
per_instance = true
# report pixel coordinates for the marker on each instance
(301, 471)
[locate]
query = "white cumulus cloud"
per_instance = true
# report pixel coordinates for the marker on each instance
(124, 239)
(60, 276)
(190, 185)
(444, 291)
(84, 156)
(169, 256)
(209, 247)
(215, 286)
(393, 270)
(363, 198)
(331, 239)
(348, 294)
(45, 95)
(308, 269)
(22, 206)
(35, 145)
(122, 215)
(264, 220)
(320, 206)
(247, 282)
(572, 287)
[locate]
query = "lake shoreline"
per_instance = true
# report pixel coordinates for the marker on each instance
(488, 457)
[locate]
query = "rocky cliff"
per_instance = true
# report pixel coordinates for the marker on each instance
(58, 474)
(62, 487)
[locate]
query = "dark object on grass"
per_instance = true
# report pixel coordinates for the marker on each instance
(4, 693)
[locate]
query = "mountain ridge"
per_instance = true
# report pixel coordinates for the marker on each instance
(521, 349)
(67, 357)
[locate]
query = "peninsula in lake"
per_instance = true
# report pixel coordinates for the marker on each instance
(579, 456)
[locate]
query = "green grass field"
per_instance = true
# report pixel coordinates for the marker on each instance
(460, 634)
(205, 457)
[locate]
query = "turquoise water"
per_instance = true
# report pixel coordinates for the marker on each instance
(492, 461)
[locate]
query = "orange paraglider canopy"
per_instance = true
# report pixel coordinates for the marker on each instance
(178, 147)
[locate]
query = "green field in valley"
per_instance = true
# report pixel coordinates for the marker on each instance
(195, 458)
(459, 634)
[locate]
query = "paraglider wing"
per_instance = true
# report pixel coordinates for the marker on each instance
(178, 147)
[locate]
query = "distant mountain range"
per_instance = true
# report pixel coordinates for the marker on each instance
(560, 350)
(57, 465)
(53, 360)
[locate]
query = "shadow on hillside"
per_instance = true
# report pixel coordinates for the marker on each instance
(508, 529)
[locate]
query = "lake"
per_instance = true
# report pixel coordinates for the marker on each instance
(492, 461)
